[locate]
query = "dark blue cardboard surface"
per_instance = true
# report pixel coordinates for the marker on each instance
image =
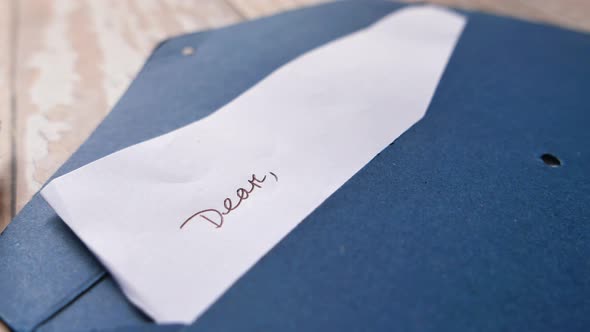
(458, 225)
(100, 306)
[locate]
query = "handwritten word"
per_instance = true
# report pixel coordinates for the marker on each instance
(215, 216)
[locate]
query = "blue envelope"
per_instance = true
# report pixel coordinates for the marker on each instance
(477, 218)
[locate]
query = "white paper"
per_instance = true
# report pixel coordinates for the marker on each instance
(305, 129)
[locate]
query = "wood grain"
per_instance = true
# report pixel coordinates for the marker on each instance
(6, 33)
(251, 9)
(63, 65)
(76, 58)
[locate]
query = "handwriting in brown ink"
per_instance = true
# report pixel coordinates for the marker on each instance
(215, 216)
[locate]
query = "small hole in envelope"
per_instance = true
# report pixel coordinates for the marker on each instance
(186, 51)
(550, 160)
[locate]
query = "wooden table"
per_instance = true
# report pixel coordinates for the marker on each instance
(64, 63)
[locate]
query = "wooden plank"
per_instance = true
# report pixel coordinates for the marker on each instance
(76, 58)
(573, 14)
(251, 9)
(6, 34)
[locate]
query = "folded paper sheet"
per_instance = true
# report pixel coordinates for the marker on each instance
(179, 218)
